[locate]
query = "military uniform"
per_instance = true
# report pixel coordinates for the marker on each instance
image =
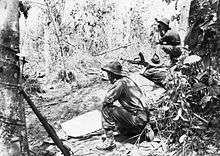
(170, 42)
(131, 117)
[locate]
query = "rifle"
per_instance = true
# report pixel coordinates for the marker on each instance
(51, 132)
(107, 51)
(138, 62)
(135, 62)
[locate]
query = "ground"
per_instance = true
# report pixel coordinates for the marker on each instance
(63, 102)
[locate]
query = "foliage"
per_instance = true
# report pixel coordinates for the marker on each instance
(188, 112)
(24, 7)
(201, 10)
(59, 42)
(169, 1)
(202, 36)
(32, 85)
(138, 29)
(90, 24)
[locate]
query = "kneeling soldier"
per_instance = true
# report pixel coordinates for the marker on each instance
(132, 116)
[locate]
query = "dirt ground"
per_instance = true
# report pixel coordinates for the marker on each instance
(63, 102)
(60, 104)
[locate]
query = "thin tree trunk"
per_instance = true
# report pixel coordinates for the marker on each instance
(12, 113)
(183, 27)
(46, 52)
(218, 10)
(218, 35)
(58, 34)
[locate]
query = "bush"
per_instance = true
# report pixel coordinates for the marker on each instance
(32, 86)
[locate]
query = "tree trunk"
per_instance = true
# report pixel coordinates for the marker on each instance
(184, 10)
(12, 114)
(218, 35)
(58, 33)
(46, 52)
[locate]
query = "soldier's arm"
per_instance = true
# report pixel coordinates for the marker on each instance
(113, 93)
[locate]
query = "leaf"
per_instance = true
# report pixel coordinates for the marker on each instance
(199, 77)
(198, 86)
(192, 59)
(184, 119)
(198, 127)
(176, 118)
(180, 112)
(205, 99)
(178, 115)
(165, 108)
(206, 61)
(182, 138)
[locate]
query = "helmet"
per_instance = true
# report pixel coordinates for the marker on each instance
(155, 59)
(164, 21)
(113, 67)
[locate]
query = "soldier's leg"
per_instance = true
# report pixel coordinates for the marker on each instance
(114, 116)
(126, 122)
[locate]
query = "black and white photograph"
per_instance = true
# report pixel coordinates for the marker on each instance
(109, 77)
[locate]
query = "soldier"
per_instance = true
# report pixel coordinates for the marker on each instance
(156, 71)
(132, 116)
(169, 39)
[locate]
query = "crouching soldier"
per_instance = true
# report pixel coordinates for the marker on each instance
(131, 117)
(169, 39)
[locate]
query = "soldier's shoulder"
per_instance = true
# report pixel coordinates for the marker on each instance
(121, 81)
(172, 32)
(124, 80)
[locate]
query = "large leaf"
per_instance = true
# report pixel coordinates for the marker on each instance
(182, 138)
(179, 115)
(192, 59)
(205, 101)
